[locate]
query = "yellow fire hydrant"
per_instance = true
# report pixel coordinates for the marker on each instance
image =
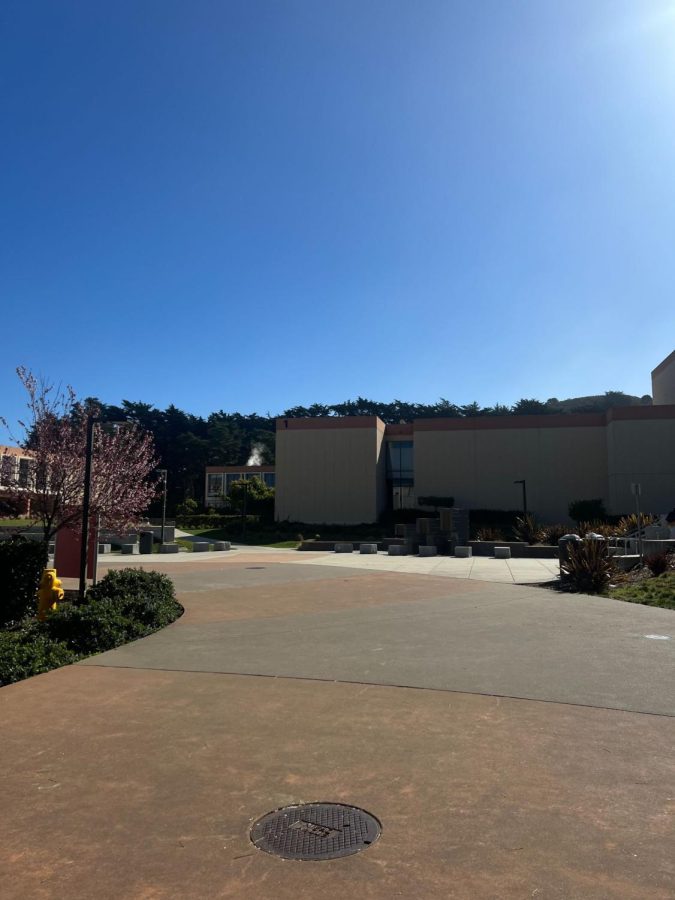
(50, 593)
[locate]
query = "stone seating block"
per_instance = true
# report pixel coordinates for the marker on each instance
(200, 546)
(463, 552)
(368, 548)
(130, 549)
(169, 548)
(344, 548)
(397, 550)
(104, 548)
(222, 545)
(428, 550)
(502, 553)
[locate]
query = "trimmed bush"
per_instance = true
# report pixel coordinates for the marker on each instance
(587, 510)
(28, 652)
(124, 606)
(21, 565)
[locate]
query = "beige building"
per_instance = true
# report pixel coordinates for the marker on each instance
(349, 470)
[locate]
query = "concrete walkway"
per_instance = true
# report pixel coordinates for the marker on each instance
(505, 571)
(514, 743)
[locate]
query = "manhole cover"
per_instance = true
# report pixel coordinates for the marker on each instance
(315, 831)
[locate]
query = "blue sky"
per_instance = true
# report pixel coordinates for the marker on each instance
(252, 205)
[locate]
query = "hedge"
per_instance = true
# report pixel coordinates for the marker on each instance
(21, 565)
(125, 605)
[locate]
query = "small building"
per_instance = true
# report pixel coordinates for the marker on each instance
(220, 478)
(16, 480)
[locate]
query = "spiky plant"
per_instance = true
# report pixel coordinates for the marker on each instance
(588, 569)
(527, 529)
(489, 534)
(630, 524)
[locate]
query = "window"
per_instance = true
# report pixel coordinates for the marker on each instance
(214, 485)
(400, 465)
(269, 478)
(24, 472)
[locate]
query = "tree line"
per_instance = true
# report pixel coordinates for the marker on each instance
(185, 444)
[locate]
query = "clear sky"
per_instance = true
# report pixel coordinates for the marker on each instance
(252, 205)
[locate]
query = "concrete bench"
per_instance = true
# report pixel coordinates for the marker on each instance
(200, 546)
(428, 550)
(129, 549)
(344, 548)
(397, 550)
(463, 552)
(502, 553)
(104, 548)
(368, 548)
(222, 545)
(169, 548)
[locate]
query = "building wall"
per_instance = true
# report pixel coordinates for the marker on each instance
(663, 381)
(329, 470)
(477, 461)
(643, 451)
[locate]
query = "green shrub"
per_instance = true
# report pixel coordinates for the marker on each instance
(21, 565)
(587, 510)
(188, 507)
(125, 605)
(136, 584)
(527, 529)
(29, 652)
(588, 568)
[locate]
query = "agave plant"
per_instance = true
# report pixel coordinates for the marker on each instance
(630, 524)
(551, 534)
(527, 529)
(587, 569)
(602, 528)
(489, 534)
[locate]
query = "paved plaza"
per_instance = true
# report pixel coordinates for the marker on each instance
(512, 741)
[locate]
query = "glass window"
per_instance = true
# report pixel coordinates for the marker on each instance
(269, 478)
(24, 472)
(232, 477)
(214, 484)
(400, 464)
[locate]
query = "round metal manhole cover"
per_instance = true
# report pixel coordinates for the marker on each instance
(316, 831)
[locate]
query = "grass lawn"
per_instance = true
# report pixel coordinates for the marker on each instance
(16, 523)
(659, 591)
(253, 538)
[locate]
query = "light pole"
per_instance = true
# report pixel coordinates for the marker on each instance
(164, 473)
(86, 500)
(522, 481)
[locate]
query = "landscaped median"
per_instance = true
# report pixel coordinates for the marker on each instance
(125, 605)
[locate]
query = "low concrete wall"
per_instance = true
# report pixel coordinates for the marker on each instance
(519, 549)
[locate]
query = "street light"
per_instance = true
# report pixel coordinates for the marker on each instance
(164, 473)
(522, 481)
(86, 498)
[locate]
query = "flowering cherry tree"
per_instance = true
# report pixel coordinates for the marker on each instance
(55, 438)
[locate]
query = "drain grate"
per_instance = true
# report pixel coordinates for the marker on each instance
(315, 831)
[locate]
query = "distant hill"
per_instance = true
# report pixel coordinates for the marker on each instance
(597, 402)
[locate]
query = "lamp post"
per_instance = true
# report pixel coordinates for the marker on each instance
(86, 500)
(522, 481)
(164, 473)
